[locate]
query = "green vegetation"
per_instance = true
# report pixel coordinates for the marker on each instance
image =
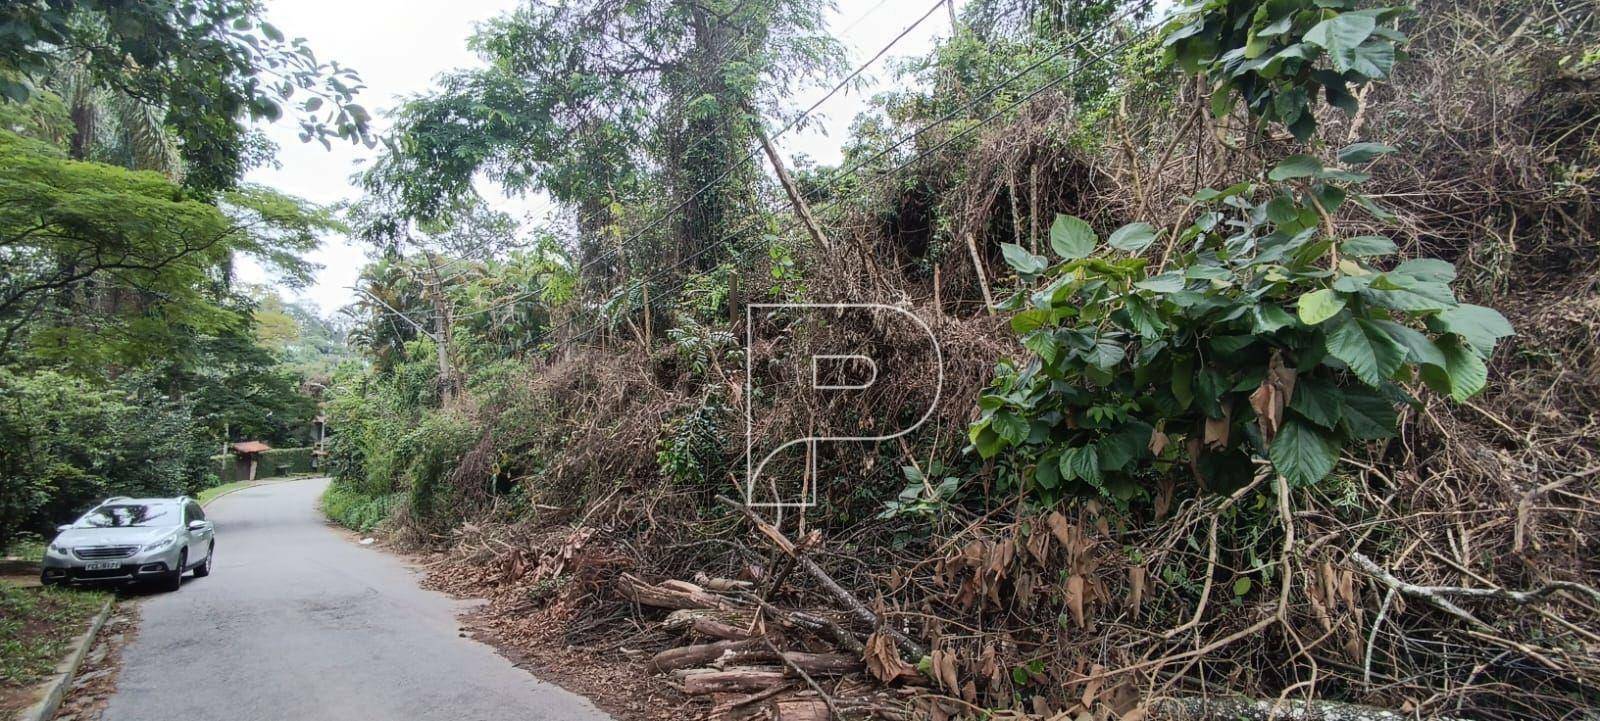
(1225, 301)
(352, 509)
(26, 547)
(127, 356)
(36, 627)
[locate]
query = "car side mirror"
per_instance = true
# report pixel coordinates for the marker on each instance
(198, 525)
(63, 528)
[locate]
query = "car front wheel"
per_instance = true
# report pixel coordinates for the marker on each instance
(174, 580)
(204, 569)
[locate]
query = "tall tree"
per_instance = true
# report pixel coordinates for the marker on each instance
(207, 67)
(594, 100)
(103, 266)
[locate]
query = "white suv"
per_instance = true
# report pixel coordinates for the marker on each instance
(125, 540)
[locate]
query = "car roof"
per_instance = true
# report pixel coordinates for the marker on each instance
(145, 501)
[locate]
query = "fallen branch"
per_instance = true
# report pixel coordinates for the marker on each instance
(669, 594)
(850, 602)
(817, 664)
(1435, 594)
(833, 710)
(673, 659)
(704, 623)
(734, 680)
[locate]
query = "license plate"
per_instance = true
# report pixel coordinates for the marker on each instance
(101, 565)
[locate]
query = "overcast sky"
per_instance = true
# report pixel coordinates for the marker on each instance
(400, 47)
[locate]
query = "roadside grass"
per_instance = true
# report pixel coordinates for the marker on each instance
(210, 494)
(36, 627)
(357, 511)
(26, 548)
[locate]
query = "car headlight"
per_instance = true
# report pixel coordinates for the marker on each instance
(58, 549)
(161, 545)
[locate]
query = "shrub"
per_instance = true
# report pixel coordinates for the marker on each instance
(66, 443)
(355, 510)
(297, 460)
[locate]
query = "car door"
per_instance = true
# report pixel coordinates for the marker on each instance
(199, 538)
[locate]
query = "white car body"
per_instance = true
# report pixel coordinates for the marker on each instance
(124, 540)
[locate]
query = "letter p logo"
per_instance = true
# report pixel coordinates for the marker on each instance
(818, 372)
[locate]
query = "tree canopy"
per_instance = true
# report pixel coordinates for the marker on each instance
(208, 67)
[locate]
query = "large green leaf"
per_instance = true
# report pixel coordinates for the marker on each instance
(1082, 463)
(1030, 320)
(1133, 237)
(1320, 305)
(1464, 373)
(1396, 291)
(1368, 415)
(1020, 260)
(1429, 269)
(1010, 426)
(1168, 282)
(1302, 453)
(1048, 472)
(1340, 35)
(1419, 349)
(1071, 237)
(1357, 153)
(1479, 325)
(1317, 400)
(1373, 59)
(1105, 354)
(985, 440)
(1043, 343)
(1363, 346)
(1295, 166)
(1367, 246)
(1118, 449)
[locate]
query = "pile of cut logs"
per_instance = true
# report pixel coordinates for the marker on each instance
(752, 658)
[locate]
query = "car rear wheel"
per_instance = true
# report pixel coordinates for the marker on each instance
(174, 580)
(204, 569)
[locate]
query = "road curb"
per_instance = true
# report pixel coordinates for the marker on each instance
(66, 670)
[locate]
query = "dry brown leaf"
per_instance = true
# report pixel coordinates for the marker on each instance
(1091, 690)
(884, 661)
(1158, 443)
(1269, 399)
(1216, 429)
(1165, 490)
(944, 665)
(1038, 545)
(1074, 596)
(1059, 528)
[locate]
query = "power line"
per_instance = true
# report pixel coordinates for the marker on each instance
(751, 156)
(853, 167)
(834, 178)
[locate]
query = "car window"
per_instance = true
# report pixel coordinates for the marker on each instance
(195, 512)
(131, 515)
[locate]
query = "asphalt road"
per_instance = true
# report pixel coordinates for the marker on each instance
(297, 622)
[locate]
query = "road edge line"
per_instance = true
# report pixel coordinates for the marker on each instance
(66, 670)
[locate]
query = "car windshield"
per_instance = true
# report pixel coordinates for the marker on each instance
(130, 515)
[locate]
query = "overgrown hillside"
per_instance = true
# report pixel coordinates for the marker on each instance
(1269, 361)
